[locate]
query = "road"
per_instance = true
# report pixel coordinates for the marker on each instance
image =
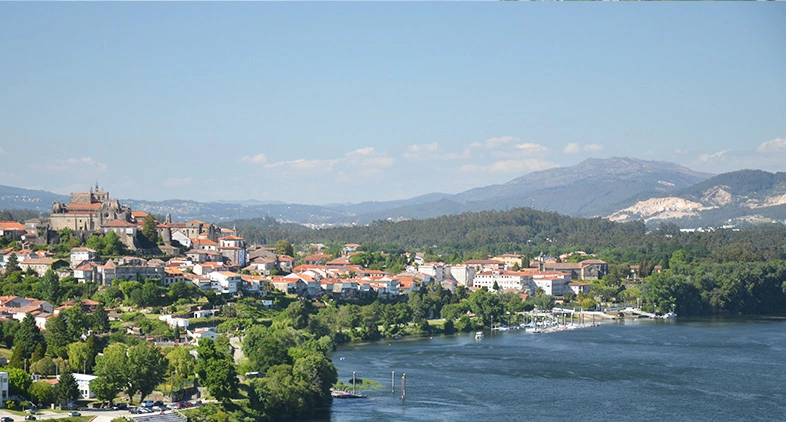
(101, 415)
(238, 345)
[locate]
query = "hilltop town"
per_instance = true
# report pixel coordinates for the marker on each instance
(215, 258)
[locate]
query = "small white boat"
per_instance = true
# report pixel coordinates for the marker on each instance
(479, 335)
(669, 315)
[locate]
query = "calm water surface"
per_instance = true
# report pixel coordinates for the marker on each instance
(687, 370)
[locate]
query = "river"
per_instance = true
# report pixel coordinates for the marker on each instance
(682, 369)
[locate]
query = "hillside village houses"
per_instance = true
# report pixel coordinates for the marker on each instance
(216, 258)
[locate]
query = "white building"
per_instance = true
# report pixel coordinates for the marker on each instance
(225, 281)
(83, 381)
(201, 333)
(3, 388)
(463, 274)
(579, 287)
(79, 255)
(553, 284)
(174, 321)
(434, 269)
(504, 279)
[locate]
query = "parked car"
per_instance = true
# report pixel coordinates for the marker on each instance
(6, 419)
(147, 403)
(29, 418)
(120, 406)
(173, 406)
(158, 403)
(74, 413)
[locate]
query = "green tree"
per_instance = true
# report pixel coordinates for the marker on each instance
(297, 314)
(44, 366)
(113, 245)
(12, 265)
(221, 380)
(319, 374)
(103, 389)
(181, 365)
(41, 393)
(28, 336)
(56, 336)
(265, 347)
(149, 230)
(543, 302)
(283, 247)
(38, 353)
(77, 320)
(206, 354)
(280, 393)
(112, 372)
(80, 357)
(49, 287)
(485, 305)
(100, 318)
(18, 381)
(146, 369)
(66, 390)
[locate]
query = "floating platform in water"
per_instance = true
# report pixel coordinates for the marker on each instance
(341, 394)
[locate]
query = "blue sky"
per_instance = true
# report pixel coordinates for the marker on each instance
(346, 102)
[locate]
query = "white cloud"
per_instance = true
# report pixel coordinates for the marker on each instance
(425, 151)
(359, 159)
(572, 148)
(775, 145)
(368, 158)
(82, 163)
(715, 155)
(531, 148)
(492, 143)
(255, 159)
(511, 166)
(416, 148)
(177, 182)
(362, 151)
(303, 164)
(593, 147)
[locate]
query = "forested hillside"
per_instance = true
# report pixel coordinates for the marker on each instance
(530, 232)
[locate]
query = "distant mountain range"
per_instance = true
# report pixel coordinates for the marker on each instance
(621, 189)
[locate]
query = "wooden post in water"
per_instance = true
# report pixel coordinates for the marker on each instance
(353, 382)
(393, 382)
(403, 386)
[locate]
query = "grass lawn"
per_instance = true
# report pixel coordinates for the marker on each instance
(5, 352)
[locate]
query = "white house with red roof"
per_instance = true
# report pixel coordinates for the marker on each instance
(12, 229)
(225, 281)
(204, 244)
(80, 255)
(234, 249)
(552, 283)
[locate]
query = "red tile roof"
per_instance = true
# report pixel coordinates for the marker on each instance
(118, 223)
